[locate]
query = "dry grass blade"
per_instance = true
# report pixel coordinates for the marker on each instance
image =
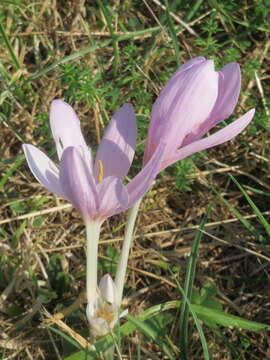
(66, 329)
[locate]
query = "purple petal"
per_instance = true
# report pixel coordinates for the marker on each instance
(116, 150)
(187, 65)
(112, 197)
(183, 105)
(228, 93)
(139, 185)
(65, 126)
(77, 181)
(44, 170)
(220, 137)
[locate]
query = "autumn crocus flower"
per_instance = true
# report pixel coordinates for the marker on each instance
(95, 188)
(102, 311)
(195, 99)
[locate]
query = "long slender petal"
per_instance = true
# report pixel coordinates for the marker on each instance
(139, 185)
(44, 170)
(116, 150)
(182, 106)
(228, 93)
(77, 182)
(112, 196)
(65, 126)
(221, 136)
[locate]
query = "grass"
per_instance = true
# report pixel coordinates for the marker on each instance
(97, 56)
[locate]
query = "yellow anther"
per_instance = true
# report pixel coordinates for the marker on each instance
(100, 173)
(105, 314)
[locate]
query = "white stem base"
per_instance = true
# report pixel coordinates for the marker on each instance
(92, 236)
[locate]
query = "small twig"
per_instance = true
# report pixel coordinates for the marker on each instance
(80, 340)
(36, 213)
(195, 21)
(252, 252)
(262, 183)
(260, 88)
(252, 81)
(214, 171)
(36, 307)
(81, 299)
(177, 19)
(54, 345)
(7, 291)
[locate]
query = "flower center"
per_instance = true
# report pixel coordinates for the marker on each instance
(105, 314)
(100, 172)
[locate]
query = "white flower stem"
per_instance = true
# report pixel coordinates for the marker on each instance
(92, 236)
(122, 263)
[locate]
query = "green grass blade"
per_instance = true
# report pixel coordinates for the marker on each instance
(221, 318)
(239, 216)
(193, 10)
(68, 58)
(256, 210)
(66, 337)
(221, 9)
(151, 333)
(9, 47)
(189, 280)
(198, 326)
(256, 191)
(173, 34)
(9, 172)
(14, 2)
(89, 49)
(108, 18)
(8, 124)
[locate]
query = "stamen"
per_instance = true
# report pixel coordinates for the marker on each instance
(100, 173)
(105, 314)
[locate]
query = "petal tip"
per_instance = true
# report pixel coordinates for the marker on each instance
(59, 102)
(28, 147)
(128, 108)
(248, 116)
(209, 64)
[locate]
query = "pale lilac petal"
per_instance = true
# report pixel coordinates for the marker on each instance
(65, 126)
(87, 158)
(123, 313)
(116, 150)
(112, 196)
(188, 64)
(228, 93)
(139, 185)
(107, 289)
(77, 182)
(221, 136)
(182, 106)
(44, 170)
